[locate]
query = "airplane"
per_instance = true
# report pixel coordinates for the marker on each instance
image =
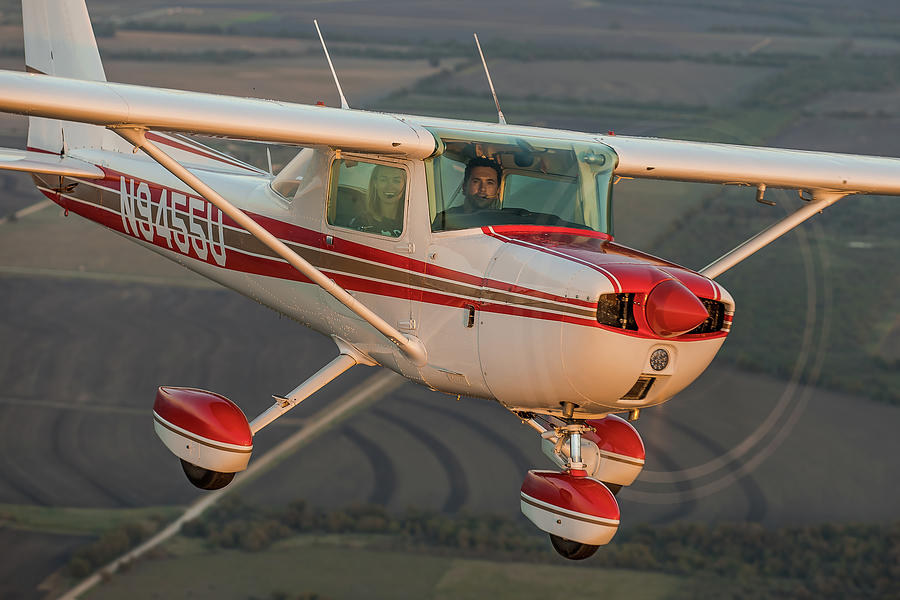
(476, 259)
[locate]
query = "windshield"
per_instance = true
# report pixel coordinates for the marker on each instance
(517, 180)
(302, 175)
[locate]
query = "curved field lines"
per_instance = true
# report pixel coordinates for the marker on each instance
(385, 477)
(415, 448)
(452, 467)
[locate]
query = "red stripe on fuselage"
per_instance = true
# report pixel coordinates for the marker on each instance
(541, 247)
(316, 239)
(42, 151)
(238, 260)
(626, 268)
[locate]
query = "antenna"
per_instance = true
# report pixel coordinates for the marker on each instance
(500, 116)
(331, 66)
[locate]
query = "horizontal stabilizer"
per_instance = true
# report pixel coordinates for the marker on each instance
(49, 164)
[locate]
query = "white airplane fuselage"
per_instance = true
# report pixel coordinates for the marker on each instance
(507, 312)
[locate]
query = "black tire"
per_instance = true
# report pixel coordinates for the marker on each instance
(204, 478)
(572, 550)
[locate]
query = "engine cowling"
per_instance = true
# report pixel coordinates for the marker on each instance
(203, 428)
(580, 509)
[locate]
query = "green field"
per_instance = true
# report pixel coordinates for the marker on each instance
(344, 567)
(238, 551)
(64, 520)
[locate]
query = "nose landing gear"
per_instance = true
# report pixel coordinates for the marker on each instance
(578, 512)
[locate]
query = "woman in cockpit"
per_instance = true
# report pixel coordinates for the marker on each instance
(384, 204)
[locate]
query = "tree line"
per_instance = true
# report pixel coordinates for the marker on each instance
(810, 561)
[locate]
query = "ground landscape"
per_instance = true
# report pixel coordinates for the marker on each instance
(788, 438)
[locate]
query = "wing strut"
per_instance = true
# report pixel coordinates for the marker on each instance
(411, 347)
(348, 357)
(821, 199)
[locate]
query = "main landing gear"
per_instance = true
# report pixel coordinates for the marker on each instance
(577, 507)
(211, 435)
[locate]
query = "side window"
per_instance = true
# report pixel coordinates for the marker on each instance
(367, 197)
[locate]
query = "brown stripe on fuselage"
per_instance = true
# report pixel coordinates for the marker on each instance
(244, 241)
(80, 190)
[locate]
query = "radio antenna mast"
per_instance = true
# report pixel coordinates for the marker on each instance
(331, 66)
(501, 118)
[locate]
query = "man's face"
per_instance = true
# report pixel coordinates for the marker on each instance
(482, 187)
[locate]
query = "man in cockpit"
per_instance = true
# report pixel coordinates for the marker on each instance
(481, 185)
(481, 191)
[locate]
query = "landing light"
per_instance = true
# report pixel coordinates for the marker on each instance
(659, 359)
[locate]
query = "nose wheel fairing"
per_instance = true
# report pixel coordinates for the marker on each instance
(575, 508)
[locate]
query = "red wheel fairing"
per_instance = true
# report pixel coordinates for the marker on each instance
(205, 414)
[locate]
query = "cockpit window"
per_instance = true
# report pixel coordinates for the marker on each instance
(367, 196)
(539, 182)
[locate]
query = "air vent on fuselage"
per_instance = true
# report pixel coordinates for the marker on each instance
(640, 389)
(617, 310)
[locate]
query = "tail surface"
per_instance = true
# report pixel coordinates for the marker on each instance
(59, 41)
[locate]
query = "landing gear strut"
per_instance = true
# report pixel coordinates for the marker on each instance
(570, 549)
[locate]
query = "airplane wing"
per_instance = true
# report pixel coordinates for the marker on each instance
(704, 162)
(49, 164)
(121, 105)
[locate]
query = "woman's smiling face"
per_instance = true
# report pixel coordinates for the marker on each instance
(389, 186)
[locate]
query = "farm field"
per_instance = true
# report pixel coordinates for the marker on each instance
(36, 555)
(320, 566)
(295, 79)
(670, 83)
(648, 26)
